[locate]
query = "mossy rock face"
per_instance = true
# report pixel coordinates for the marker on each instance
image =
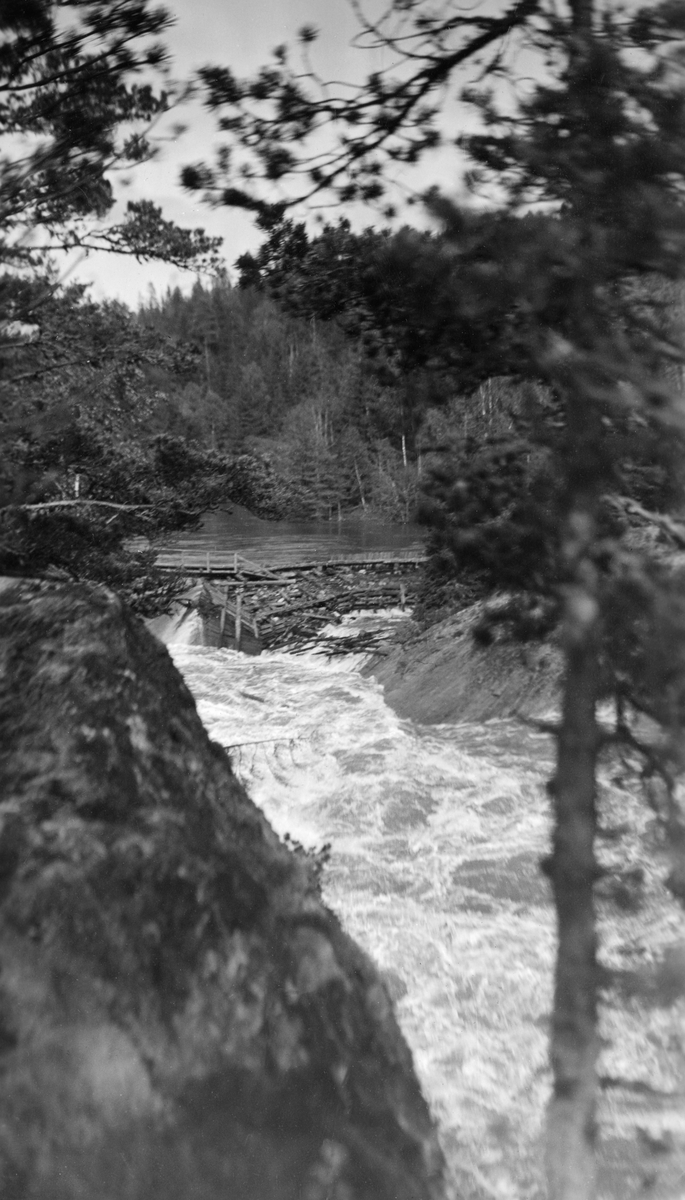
(180, 1015)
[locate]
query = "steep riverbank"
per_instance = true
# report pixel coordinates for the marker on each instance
(181, 1016)
(443, 675)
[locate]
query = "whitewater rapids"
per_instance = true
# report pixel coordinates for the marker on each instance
(436, 834)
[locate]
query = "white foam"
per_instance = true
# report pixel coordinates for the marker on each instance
(181, 627)
(436, 834)
(404, 808)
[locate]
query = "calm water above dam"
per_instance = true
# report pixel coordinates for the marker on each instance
(282, 542)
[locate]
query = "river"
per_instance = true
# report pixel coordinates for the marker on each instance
(435, 835)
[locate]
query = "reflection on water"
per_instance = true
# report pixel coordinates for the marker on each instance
(280, 542)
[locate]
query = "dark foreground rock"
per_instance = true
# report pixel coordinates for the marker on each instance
(180, 1016)
(443, 675)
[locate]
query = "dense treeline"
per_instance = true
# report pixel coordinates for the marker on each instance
(117, 425)
(84, 465)
(295, 390)
(483, 425)
(338, 358)
(244, 393)
(89, 458)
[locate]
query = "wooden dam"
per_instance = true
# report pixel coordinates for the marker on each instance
(250, 606)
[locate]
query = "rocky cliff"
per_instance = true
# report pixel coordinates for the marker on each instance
(180, 1015)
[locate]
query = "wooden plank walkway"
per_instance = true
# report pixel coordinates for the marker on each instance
(211, 562)
(227, 564)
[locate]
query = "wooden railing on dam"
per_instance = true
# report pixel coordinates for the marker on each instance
(227, 564)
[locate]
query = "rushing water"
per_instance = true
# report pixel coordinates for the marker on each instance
(281, 542)
(435, 837)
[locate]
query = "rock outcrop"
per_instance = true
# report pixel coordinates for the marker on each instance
(442, 675)
(180, 1015)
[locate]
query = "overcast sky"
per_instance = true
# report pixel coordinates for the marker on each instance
(240, 34)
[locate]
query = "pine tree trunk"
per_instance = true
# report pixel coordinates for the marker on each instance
(571, 1118)
(574, 1045)
(361, 489)
(572, 867)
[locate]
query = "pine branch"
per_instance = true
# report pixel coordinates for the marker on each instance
(668, 526)
(72, 362)
(51, 504)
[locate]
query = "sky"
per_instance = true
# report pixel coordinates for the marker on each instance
(241, 35)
